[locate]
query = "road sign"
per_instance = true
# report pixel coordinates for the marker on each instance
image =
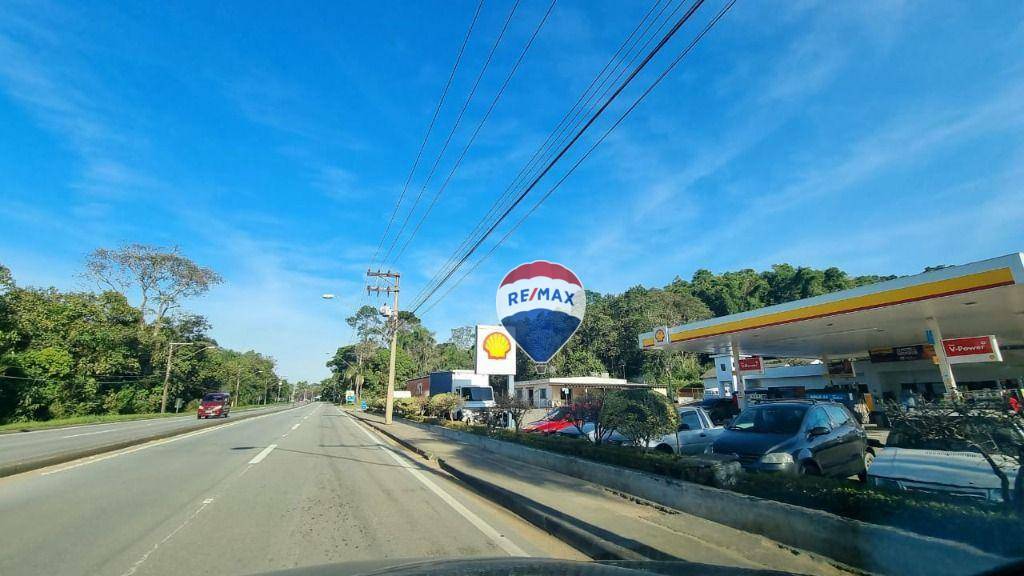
(542, 305)
(972, 349)
(495, 351)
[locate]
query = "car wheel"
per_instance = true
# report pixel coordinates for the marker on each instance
(664, 449)
(869, 457)
(808, 469)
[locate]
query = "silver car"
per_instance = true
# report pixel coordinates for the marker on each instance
(938, 466)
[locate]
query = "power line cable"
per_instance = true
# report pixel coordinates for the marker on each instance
(430, 128)
(574, 114)
(479, 126)
(721, 13)
(451, 132)
(668, 36)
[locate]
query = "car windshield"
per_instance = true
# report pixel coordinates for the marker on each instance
(685, 282)
(770, 419)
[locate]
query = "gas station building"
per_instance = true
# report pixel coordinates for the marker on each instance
(957, 330)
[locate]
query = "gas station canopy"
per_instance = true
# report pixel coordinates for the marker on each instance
(980, 298)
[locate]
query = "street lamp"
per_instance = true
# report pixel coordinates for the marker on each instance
(327, 296)
(167, 372)
(238, 379)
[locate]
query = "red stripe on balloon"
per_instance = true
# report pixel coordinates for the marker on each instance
(541, 268)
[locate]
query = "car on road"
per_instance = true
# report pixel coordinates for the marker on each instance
(695, 433)
(797, 437)
(214, 405)
(941, 466)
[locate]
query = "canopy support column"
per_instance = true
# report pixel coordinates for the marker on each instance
(945, 369)
(740, 386)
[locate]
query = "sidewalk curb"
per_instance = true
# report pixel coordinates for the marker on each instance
(549, 520)
(37, 463)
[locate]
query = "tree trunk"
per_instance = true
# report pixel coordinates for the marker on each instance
(1004, 482)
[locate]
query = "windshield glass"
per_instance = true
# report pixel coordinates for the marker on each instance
(286, 284)
(770, 419)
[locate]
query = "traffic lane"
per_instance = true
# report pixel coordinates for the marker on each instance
(329, 492)
(100, 515)
(42, 444)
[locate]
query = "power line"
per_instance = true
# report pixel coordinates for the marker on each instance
(430, 128)
(668, 36)
(573, 118)
(721, 13)
(451, 132)
(480, 125)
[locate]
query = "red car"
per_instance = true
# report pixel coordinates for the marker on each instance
(214, 405)
(557, 419)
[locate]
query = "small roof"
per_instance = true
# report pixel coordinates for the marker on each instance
(583, 382)
(980, 298)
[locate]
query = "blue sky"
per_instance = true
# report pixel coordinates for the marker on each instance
(271, 141)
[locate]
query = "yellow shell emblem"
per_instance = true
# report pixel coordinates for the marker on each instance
(659, 335)
(497, 346)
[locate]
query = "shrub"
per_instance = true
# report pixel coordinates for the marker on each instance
(443, 405)
(639, 415)
(408, 407)
(588, 409)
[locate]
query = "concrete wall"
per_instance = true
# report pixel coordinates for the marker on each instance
(865, 546)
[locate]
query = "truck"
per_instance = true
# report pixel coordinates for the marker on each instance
(474, 390)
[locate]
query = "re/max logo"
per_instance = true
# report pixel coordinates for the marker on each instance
(550, 294)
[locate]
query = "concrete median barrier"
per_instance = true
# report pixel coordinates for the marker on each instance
(870, 547)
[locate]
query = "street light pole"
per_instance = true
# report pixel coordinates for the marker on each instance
(392, 289)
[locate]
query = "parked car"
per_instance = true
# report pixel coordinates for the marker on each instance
(797, 437)
(214, 405)
(696, 433)
(552, 422)
(948, 466)
(719, 409)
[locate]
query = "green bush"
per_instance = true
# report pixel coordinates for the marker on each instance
(640, 415)
(407, 407)
(443, 405)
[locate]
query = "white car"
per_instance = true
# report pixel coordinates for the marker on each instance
(945, 467)
(695, 434)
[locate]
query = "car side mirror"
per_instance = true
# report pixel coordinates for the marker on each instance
(818, 431)
(683, 426)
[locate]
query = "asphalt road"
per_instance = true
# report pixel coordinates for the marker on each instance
(301, 487)
(38, 445)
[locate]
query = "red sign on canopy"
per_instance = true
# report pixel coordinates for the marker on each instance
(752, 365)
(972, 349)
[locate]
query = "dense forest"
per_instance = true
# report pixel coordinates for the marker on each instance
(607, 340)
(66, 354)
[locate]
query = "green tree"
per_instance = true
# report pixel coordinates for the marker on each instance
(639, 415)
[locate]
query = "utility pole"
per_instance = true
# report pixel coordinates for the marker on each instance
(167, 371)
(392, 278)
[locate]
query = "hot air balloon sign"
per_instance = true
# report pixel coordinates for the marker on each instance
(542, 305)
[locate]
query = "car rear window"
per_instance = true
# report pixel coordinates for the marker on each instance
(214, 397)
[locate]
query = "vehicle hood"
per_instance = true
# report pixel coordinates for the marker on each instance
(966, 469)
(212, 405)
(519, 567)
(736, 442)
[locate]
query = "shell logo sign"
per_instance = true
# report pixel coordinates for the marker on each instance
(659, 335)
(497, 345)
(495, 351)
(542, 305)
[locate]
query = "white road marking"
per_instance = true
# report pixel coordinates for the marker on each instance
(91, 433)
(285, 435)
(191, 517)
(296, 426)
(95, 459)
(259, 457)
(504, 543)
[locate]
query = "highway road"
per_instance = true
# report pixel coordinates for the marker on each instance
(301, 487)
(23, 447)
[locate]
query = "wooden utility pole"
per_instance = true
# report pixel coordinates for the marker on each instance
(392, 280)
